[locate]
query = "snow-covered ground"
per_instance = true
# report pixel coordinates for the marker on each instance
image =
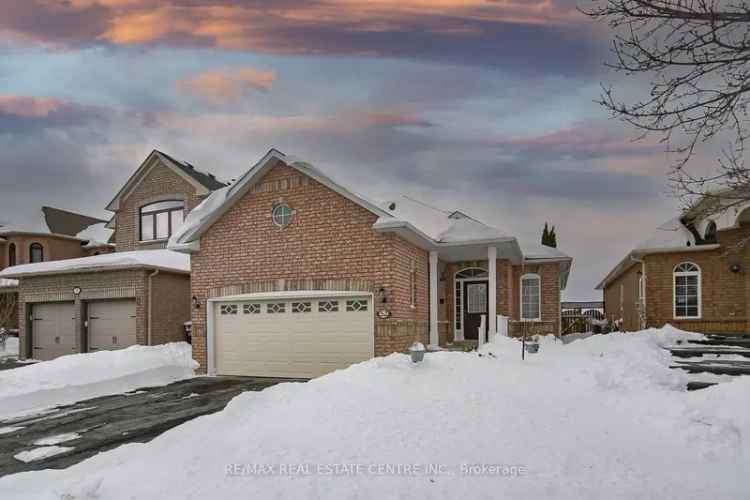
(602, 417)
(9, 349)
(81, 376)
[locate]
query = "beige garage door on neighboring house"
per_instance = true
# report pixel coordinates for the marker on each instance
(53, 330)
(301, 337)
(111, 324)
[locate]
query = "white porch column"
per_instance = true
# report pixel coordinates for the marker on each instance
(492, 295)
(434, 338)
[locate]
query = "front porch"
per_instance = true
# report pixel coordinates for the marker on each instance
(496, 283)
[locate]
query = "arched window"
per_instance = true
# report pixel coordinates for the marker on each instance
(36, 253)
(687, 291)
(531, 297)
(709, 235)
(471, 273)
(160, 220)
(12, 254)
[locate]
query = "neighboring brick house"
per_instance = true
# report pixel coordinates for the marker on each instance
(692, 273)
(110, 301)
(58, 235)
(294, 275)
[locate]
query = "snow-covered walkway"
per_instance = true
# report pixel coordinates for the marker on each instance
(602, 417)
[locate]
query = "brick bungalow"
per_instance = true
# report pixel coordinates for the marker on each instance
(110, 301)
(295, 275)
(692, 273)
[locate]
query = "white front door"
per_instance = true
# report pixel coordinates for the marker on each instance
(292, 338)
(112, 324)
(53, 331)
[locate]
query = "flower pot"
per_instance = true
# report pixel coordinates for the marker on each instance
(532, 347)
(416, 356)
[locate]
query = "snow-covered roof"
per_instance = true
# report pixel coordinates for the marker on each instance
(96, 235)
(442, 226)
(203, 182)
(62, 224)
(671, 236)
(36, 226)
(8, 283)
(166, 260)
(452, 232)
(541, 252)
(209, 211)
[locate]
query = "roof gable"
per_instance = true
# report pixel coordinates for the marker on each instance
(203, 182)
(213, 208)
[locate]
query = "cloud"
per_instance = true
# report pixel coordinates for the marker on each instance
(532, 34)
(587, 141)
(228, 85)
(28, 107)
(25, 113)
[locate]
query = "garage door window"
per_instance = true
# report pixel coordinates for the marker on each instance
(301, 307)
(251, 309)
(227, 309)
(356, 305)
(276, 308)
(328, 306)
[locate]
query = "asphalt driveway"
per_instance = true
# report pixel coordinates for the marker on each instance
(100, 424)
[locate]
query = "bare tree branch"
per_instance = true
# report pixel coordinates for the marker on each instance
(697, 55)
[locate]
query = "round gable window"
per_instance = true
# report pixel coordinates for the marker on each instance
(282, 215)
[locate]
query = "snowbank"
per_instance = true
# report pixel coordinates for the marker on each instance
(10, 349)
(602, 417)
(81, 376)
(157, 259)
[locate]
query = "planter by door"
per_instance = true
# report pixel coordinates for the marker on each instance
(476, 295)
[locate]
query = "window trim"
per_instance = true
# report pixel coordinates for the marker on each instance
(458, 284)
(143, 211)
(523, 278)
(699, 274)
(273, 214)
(33, 246)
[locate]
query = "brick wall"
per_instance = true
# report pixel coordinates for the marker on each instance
(160, 183)
(329, 238)
(627, 308)
(724, 294)
(508, 291)
(723, 299)
(171, 304)
(55, 248)
(549, 274)
(99, 285)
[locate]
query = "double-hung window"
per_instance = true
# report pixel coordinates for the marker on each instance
(531, 294)
(687, 291)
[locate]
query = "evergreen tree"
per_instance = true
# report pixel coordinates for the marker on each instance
(545, 235)
(552, 238)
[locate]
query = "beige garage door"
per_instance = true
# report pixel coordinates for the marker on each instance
(296, 338)
(111, 324)
(53, 330)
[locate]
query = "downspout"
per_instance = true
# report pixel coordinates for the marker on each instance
(151, 300)
(642, 289)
